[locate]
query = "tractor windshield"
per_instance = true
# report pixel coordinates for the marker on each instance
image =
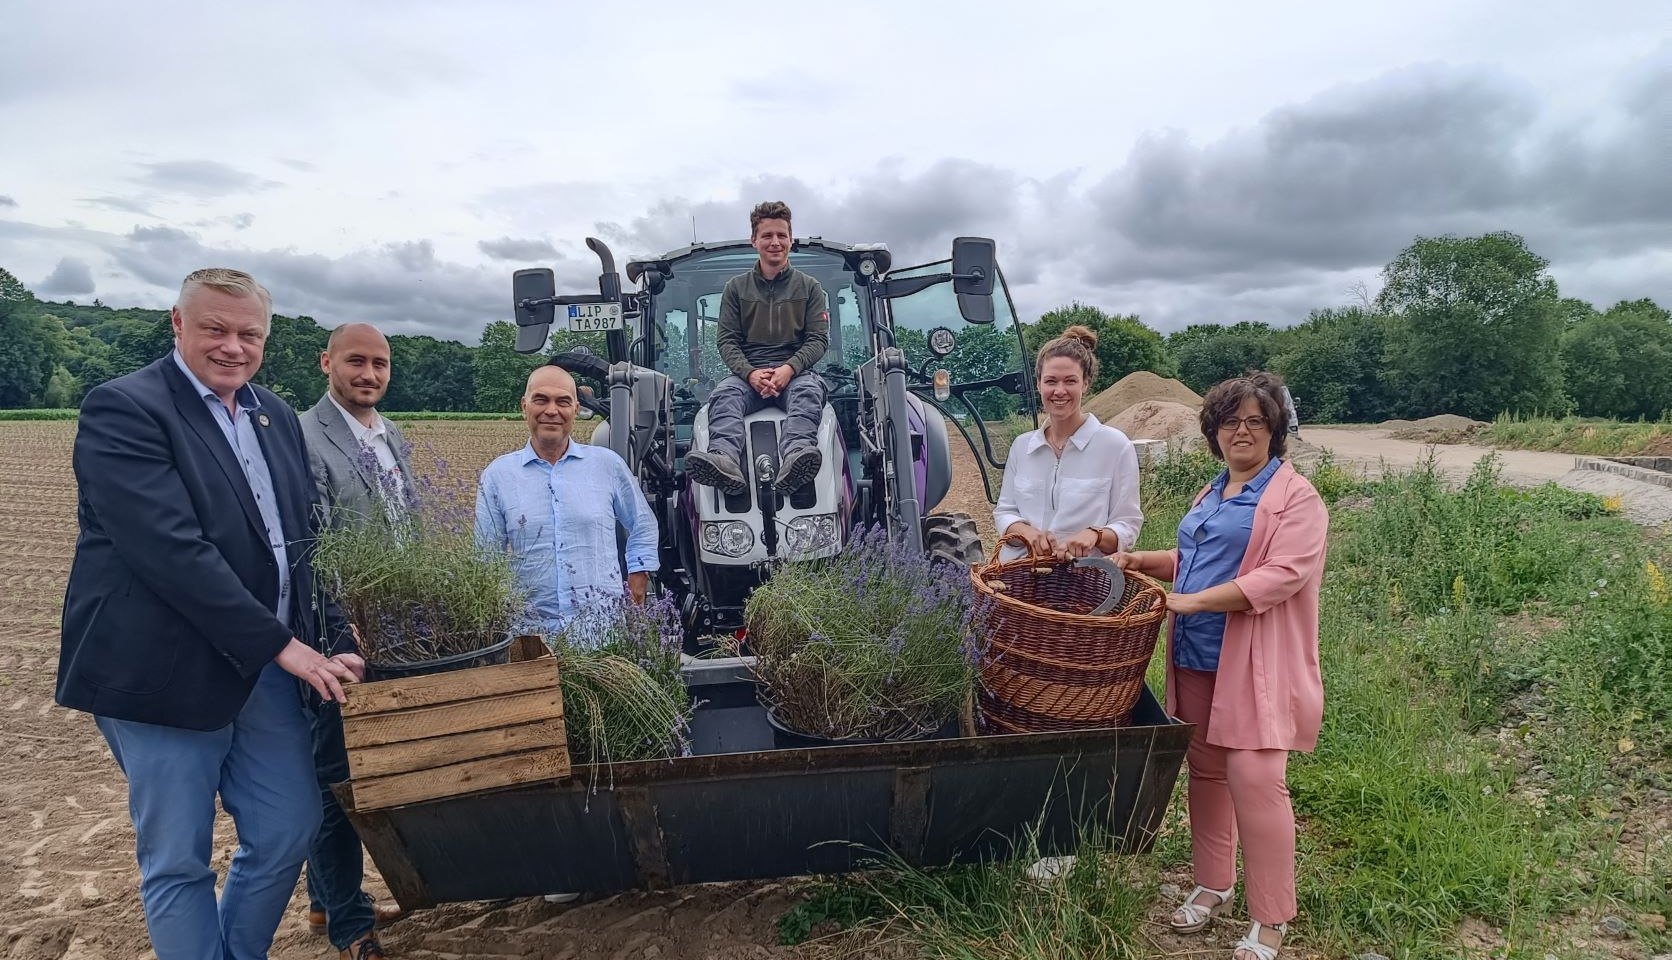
(980, 351)
(688, 312)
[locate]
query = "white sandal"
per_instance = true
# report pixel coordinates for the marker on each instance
(1197, 916)
(1252, 943)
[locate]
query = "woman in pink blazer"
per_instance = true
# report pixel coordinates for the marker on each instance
(1242, 656)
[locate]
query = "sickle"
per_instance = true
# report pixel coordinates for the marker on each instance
(1117, 581)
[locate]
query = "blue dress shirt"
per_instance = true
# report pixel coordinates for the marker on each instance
(238, 427)
(559, 521)
(1213, 537)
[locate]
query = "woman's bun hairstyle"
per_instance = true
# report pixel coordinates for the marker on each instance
(1082, 333)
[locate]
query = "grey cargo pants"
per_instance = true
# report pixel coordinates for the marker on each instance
(734, 399)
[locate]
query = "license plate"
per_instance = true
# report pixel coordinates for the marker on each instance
(593, 317)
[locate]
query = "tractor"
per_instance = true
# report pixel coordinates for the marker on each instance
(913, 353)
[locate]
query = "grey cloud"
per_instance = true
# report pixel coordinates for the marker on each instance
(6, 201)
(303, 166)
(915, 214)
(120, 205)
(522, 251)
(201, 178)
(72, 277)
(401, 287)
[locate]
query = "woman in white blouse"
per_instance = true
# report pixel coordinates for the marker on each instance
(1071, 487)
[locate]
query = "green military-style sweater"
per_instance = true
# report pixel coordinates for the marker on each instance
(766, 323)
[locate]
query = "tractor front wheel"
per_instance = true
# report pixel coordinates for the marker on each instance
(952, 537)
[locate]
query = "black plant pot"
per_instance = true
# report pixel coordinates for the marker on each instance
(499, 652)
(785, 738)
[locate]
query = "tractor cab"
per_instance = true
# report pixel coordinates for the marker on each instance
(912, 354)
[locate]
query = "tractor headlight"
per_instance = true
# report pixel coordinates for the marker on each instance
(730, 538)
(810, 534)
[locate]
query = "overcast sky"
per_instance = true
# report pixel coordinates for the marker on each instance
(1188, 162)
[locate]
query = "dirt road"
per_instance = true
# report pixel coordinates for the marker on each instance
(1370, 449)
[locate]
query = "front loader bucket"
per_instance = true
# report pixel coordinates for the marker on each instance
(740, 810)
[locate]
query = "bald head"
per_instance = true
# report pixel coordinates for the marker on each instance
(352, 335)
(547, 376)
(356, 363)
(549, 405)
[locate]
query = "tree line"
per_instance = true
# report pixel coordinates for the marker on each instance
(1472, 326)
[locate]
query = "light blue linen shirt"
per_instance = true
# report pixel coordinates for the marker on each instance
(559, 521)
(238, 427)
(1213, 537)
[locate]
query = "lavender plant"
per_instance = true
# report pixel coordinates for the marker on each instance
(623, 695)
(411, 577)
(874, 643)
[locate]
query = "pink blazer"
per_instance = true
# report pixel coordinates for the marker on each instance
(1269, 693)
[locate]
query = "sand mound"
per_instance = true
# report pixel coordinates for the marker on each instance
(1444, 428)
(1136, 388)
(1157, 420)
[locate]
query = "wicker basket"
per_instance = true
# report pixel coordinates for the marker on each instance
(1050, 664)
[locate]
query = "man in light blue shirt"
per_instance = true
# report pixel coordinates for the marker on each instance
(555, 504)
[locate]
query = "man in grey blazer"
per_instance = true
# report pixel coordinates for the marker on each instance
(361, 466)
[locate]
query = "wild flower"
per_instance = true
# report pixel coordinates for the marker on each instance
(413, 580)
(1657, 583)
(876, 641)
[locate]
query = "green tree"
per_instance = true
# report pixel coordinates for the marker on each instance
(1619, 363)
(1475, 327)
(500, 371)
(429, 374)
(290, 361)
(1333, 365)
(30, 346)
(1207, 353)
(1124, 344)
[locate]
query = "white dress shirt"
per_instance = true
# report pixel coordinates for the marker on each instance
(376, 439)
(1093, 484)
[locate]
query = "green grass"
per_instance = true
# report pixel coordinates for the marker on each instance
(449, 415)
(1498, 718)
(58, 413)
(1579, 435)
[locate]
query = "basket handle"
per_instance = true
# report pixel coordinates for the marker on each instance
(1021, 541)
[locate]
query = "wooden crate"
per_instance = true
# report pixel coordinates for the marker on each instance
(444, 734)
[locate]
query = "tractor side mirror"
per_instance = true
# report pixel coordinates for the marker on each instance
(533, 319)
(974, 266)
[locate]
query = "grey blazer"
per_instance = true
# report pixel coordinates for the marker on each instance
(346, 487)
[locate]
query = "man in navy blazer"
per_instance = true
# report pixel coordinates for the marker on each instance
(191, 614)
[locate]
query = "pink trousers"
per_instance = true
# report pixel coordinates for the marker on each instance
(1237, 793)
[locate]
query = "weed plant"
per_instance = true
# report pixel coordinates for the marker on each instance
(990, 911)
(1607, 438)
(875, 642)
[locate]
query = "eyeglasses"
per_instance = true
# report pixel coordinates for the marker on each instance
(1254, 424)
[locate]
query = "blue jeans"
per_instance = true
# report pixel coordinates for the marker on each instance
(335, 864)
(261, 765)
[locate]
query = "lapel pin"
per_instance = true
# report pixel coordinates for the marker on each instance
(261, 418)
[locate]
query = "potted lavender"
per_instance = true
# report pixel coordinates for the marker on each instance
(873, 644)
(423, 596)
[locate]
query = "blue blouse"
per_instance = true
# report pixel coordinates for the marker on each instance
(1213, 537)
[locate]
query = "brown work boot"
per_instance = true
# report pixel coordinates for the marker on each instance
(316, 922)
(365, 948)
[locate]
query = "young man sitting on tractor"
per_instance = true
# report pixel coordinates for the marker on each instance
(774, 325)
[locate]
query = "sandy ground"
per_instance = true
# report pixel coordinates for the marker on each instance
(1370, 449)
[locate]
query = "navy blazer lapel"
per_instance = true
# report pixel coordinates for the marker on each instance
(202, 422)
